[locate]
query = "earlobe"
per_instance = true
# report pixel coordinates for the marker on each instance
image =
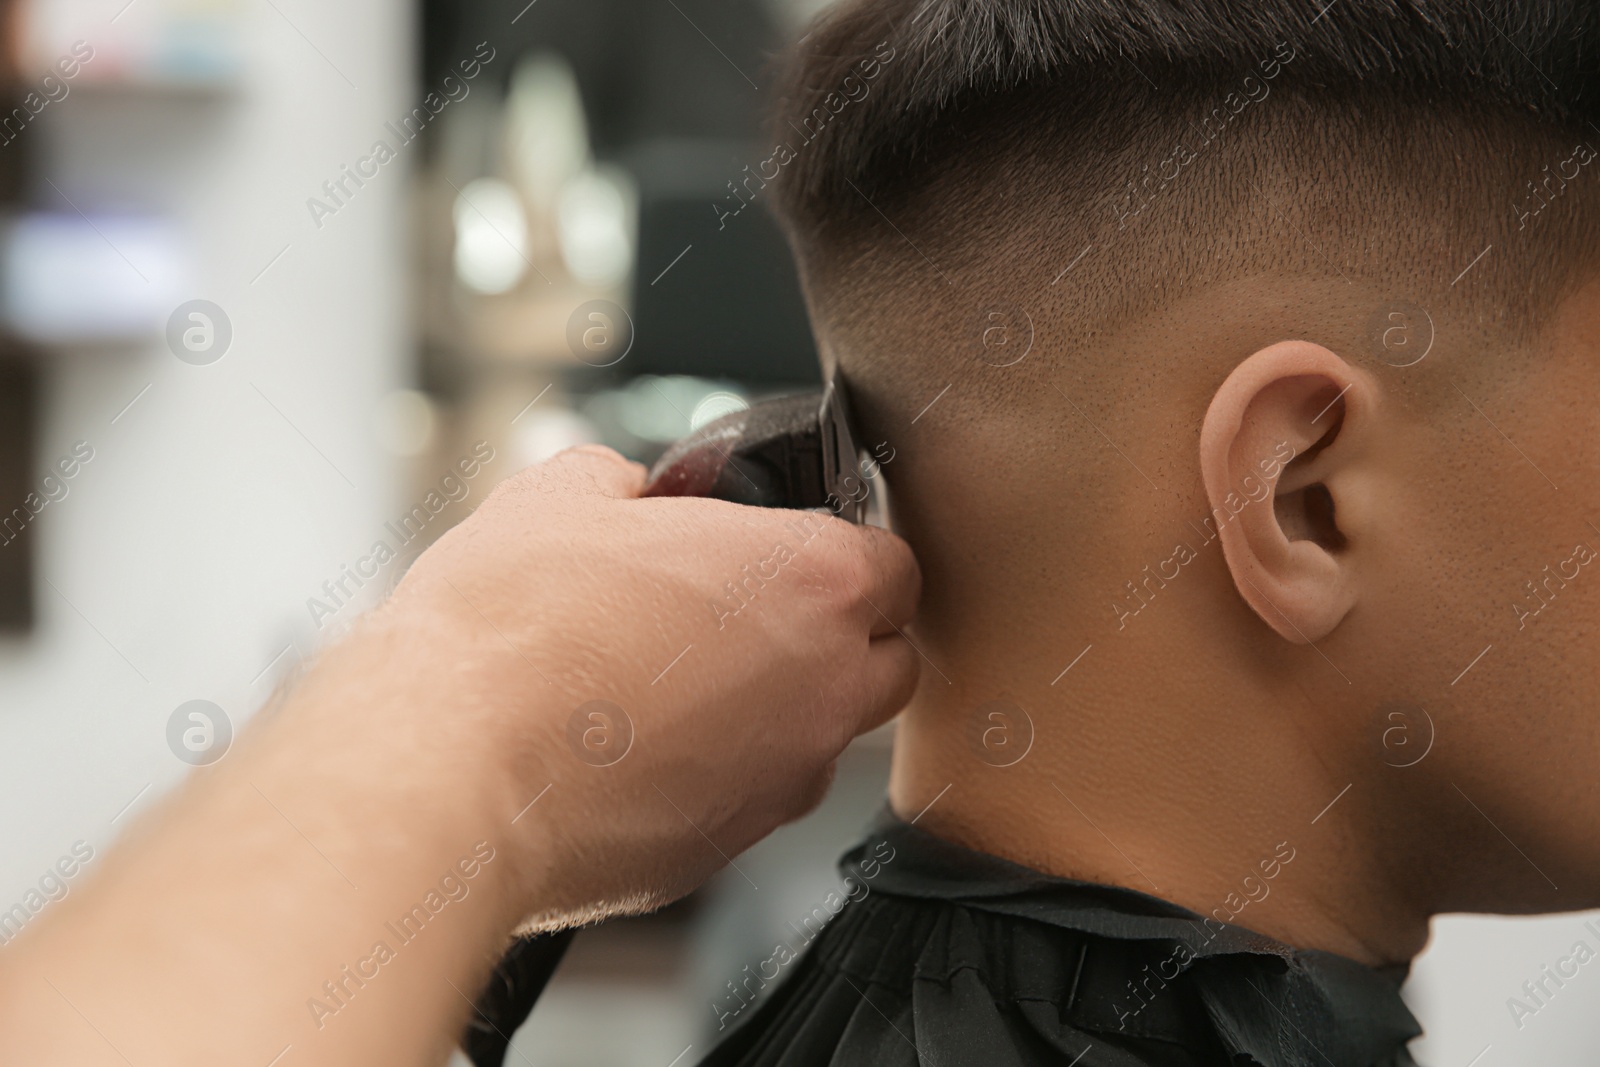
(1276, 455)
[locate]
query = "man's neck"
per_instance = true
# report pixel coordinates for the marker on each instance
(1242, 822)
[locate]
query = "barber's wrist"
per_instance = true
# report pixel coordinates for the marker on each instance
(402, 710)
(501, 730)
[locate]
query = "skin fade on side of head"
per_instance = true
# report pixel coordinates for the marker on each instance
(1214, 228)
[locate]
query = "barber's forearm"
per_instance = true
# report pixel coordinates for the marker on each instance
(565, 638)
(339, 883)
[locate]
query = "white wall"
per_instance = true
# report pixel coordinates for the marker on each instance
(193, 538)
(1461, 989)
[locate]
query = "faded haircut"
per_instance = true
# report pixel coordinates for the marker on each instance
(1110, 155)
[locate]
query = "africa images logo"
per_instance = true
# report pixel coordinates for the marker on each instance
(199, 732)
(599, 733)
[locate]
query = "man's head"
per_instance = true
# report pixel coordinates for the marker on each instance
(1253, 346)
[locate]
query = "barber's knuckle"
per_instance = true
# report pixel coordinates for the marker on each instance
(902, 561)
(850, 570)
(839, 597)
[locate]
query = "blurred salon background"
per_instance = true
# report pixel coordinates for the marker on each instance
(271, 270)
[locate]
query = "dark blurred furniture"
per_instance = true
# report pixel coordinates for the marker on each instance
(18, 408)
(19, 388)
(674, 91)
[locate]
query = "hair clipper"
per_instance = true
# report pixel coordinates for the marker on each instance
(793, 452)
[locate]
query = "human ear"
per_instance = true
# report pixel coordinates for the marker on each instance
(1293, 416)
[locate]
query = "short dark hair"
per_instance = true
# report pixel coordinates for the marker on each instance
(916, 124)
(950, 55)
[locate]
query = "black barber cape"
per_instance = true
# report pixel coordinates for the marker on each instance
(953, 958)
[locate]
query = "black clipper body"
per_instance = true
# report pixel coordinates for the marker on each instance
(793, 452)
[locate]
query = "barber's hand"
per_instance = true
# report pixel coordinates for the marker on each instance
(437, 777)
(736, 651)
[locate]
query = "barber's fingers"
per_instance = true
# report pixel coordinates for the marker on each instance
(889, 679)
(885, 575)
